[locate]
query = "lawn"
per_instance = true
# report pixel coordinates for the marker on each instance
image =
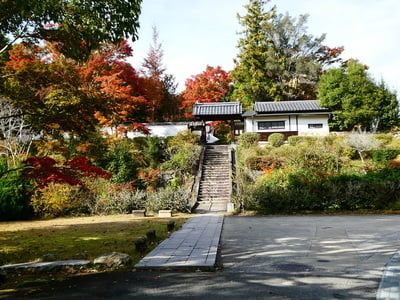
(77, 238)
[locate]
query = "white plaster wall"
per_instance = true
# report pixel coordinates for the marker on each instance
(288, 126)
(303, 122)
(248, 125)
(292, 123)
(161, 130)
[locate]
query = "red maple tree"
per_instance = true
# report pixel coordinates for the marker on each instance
(59, 94)
(212, 85)
(44, 170)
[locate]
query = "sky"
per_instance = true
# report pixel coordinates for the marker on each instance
(197, 33)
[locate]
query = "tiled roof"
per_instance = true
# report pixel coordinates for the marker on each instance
(217, 109)
(289, 106)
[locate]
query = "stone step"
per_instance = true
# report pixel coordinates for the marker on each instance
(216, 179)
(215, 200)
(216, 182)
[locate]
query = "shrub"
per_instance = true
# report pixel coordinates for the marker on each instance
(153, 149)
(384, 156)
(298, 139)
(183, 161)
(167, 198)
(288, 191)
(119, 202)
(263, 162)
(56, 200)
(15, 193)
(276, 139)
(122, 161)
(184, 137)
(362, 142)
(384, 138)
(248, 139)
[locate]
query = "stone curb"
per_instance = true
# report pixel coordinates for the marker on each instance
(44, 266)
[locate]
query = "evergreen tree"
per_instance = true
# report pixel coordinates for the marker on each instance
(355, 99)
(277, 59)
(160, 86)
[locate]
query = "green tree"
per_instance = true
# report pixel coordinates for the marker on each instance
(277, 59)
(355, 98)
(78, 26)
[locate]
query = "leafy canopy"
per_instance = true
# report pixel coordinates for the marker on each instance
(278, 59)
(59, 94)
(356, 99)
(77, 26)
(212, 85)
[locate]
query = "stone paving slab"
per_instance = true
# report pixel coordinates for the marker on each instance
(193, 246)
(389, 287)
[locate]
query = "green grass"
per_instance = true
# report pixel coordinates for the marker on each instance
(74, 238)
(66, 240)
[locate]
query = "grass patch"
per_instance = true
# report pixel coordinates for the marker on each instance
(75, 238)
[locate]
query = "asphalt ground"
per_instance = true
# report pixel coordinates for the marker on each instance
(271, 257)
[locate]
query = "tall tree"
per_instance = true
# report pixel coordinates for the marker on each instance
(212, 85)
(77, 26)
(278, 59)
(57, 94)
(356, 99)
(160, 86)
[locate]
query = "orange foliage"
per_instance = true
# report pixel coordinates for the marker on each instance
(210, 86)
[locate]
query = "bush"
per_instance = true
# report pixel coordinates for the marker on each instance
(119, 202)
(248, 139)
(167, 198)
(98, 196)
(276, 139)
(298, 139)
(384, 138)
(384, 156)
(287, 191)
(15, 194)
(262, 162)
(122, 161)
(183, 161)
(184, 137)
(57, 200)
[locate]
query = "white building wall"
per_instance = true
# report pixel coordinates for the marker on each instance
(289, 124)
(313, 125)
(161, 130)
(305, 125)
(248, 125)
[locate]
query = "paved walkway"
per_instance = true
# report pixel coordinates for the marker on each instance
(271, 257)
(389, 288)
(193, 246)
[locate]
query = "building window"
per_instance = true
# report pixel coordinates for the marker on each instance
(268, 125)
(315, 125)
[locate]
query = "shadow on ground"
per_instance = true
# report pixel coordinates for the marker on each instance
(299, 257)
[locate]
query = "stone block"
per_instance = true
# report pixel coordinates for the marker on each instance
(139, 213)
(141, 244)
(165, 213)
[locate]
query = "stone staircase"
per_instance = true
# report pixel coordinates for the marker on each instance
(215, 188)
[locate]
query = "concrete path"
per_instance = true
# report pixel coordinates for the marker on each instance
(316, 257)
(272, 257)
(193, 246)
